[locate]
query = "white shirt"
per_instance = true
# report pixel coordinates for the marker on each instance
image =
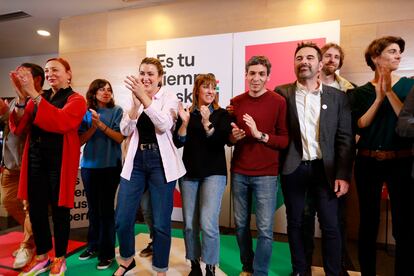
(308, 105)
(163, 114)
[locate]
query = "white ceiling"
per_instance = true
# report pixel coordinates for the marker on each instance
(19, 38)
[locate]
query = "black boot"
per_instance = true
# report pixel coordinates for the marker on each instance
(195, 268)
(210, 270)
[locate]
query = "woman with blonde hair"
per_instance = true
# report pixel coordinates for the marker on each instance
(152, 162)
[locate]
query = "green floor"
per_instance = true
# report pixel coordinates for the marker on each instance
(229, 257)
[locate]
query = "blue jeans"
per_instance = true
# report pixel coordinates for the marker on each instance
(148, 171)
(100, 186)
(146, 210)
(201, 208)
(264, 189)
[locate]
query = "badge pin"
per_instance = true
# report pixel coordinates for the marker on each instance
(324, 106)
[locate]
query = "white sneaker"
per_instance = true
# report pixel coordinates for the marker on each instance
(23, 257)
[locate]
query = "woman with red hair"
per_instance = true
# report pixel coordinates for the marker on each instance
(50, 158)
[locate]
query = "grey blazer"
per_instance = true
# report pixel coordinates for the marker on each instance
(405, 124)
(335, 133)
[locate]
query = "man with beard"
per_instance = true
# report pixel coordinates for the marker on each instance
(332, 60)
(318, 160)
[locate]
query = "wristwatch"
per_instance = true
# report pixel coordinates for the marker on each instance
(20, 105)
(262, 137)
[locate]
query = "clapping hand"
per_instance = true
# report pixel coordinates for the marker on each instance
(205, 115)
(236, 133)
(22, 82)
(184, 113)
(95, 118)
(230, 109)
(4, 107)
(135, 86)
(252, 125)
(383, 85)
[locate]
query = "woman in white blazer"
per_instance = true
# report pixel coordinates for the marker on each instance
(152, 162)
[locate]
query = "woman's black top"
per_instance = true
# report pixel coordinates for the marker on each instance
(204, 155)
(146, 130)
(46, 140)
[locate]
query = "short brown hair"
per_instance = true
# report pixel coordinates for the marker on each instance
(199, 81)
(330, 45)
(91, 94)
(36, 70)
(157, 63)
(256, 60)
(309, 44)
(376, 47)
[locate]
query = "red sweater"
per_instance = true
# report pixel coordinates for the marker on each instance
(250, 156)
(65, 121)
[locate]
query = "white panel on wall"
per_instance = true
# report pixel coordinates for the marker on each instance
(183, 59)
(330, 31)
(9, 64)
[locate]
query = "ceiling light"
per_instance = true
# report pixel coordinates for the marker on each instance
(43, 33)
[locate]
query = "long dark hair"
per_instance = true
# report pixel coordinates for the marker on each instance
(91, 100)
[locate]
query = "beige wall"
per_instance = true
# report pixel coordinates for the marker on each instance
(110, 44)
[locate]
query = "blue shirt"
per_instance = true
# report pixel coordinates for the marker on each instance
(100, 151)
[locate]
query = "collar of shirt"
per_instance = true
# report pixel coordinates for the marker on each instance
(159, 94)
(308, 105)
(302, 89)
(210, 107)
(343, 83)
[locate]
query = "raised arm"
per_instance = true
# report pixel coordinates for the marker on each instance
(163, 116)
(61, 120)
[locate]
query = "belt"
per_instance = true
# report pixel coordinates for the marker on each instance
(149, 146)
(311, 162)
(385, 154)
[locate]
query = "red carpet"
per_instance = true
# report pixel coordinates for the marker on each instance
(11, 241)
(8, 272)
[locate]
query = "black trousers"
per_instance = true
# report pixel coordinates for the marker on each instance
(310, 178)
(370, 174)
(309, 228)
(43, 190)
(100, 186)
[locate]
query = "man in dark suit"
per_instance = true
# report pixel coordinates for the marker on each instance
(318, 160)
(332, 60)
